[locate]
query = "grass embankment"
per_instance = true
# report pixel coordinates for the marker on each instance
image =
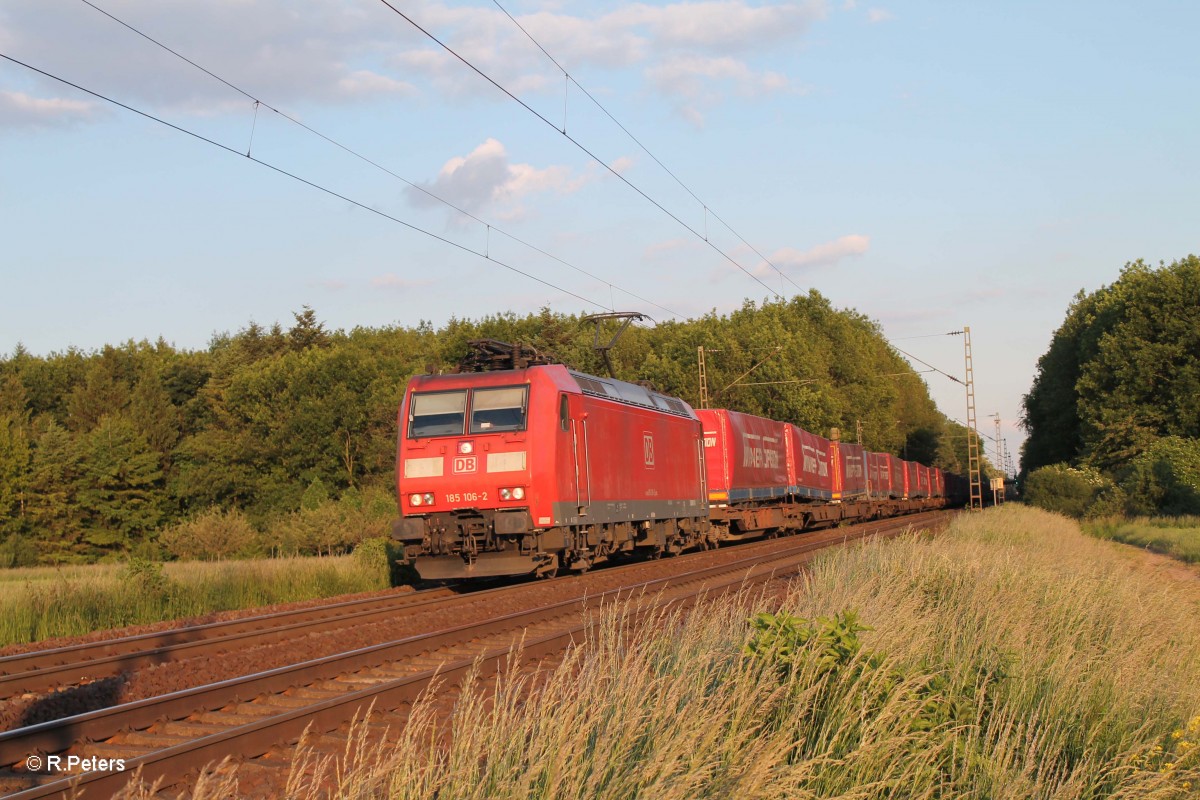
(46, 602)
(1178, 537)
(1012, 657)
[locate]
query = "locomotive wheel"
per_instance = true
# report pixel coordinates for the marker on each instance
(551, 571)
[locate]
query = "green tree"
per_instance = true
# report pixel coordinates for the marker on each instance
(55, 475)
(139, 435)
(157, 418)
(119, 492)
(308, 331)
(14, 471)
(14, 398)
(1122, 371)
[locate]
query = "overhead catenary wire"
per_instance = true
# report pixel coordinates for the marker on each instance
(486, 255)
(926, 363)
(417, 187)
(707, 209)
(300, 179)
(928, 336)
(577, 144)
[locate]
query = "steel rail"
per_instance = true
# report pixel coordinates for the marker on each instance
(253, 739)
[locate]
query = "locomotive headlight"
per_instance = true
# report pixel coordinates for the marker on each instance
(466, 448)
(429, 498)
(415, 499)
(506, 494)
(518, 493)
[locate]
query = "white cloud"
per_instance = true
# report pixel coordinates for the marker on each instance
(876, 15)
(822, 255)
(702, 82)
(623, 164)
(336, 52)
(685, 49)
(694, 76)
(726, 25)
(20, 110)
(329, 53)
(485, 177)
(657, 250)
(366, 82)
(393, 281)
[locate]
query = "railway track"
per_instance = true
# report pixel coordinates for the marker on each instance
(171, 736)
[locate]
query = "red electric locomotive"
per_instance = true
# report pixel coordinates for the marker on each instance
(522, 471)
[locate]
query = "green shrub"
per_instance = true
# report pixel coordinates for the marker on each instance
(377, 556)
(314, 496)
(331, 528)
(1073, 491)
(145, 577)
(211, 535)
(17, 551)
(1165, 479)
(791, 642)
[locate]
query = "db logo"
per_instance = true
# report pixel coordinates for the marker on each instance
(648, 449)
(464, 464)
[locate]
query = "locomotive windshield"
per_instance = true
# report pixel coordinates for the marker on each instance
(496, 410)
(437, 414)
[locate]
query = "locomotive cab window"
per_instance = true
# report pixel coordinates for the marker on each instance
(437, 414)
(497, 410)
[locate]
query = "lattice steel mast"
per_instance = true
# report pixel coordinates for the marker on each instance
(973, 464)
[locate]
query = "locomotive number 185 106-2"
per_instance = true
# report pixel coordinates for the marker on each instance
(466, 497)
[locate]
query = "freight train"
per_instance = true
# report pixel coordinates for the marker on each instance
(531, 470)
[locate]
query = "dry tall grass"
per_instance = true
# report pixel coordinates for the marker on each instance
(39, 603)
(1011, 657)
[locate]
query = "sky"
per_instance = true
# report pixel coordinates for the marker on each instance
(933, 165)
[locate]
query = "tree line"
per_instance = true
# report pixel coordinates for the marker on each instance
(1113, 414)
(103, 451)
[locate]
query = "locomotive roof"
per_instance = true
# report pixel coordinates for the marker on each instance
(566, 379)
(630, 393)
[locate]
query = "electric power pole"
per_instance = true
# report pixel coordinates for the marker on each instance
(973, 464)
(1000, 458)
